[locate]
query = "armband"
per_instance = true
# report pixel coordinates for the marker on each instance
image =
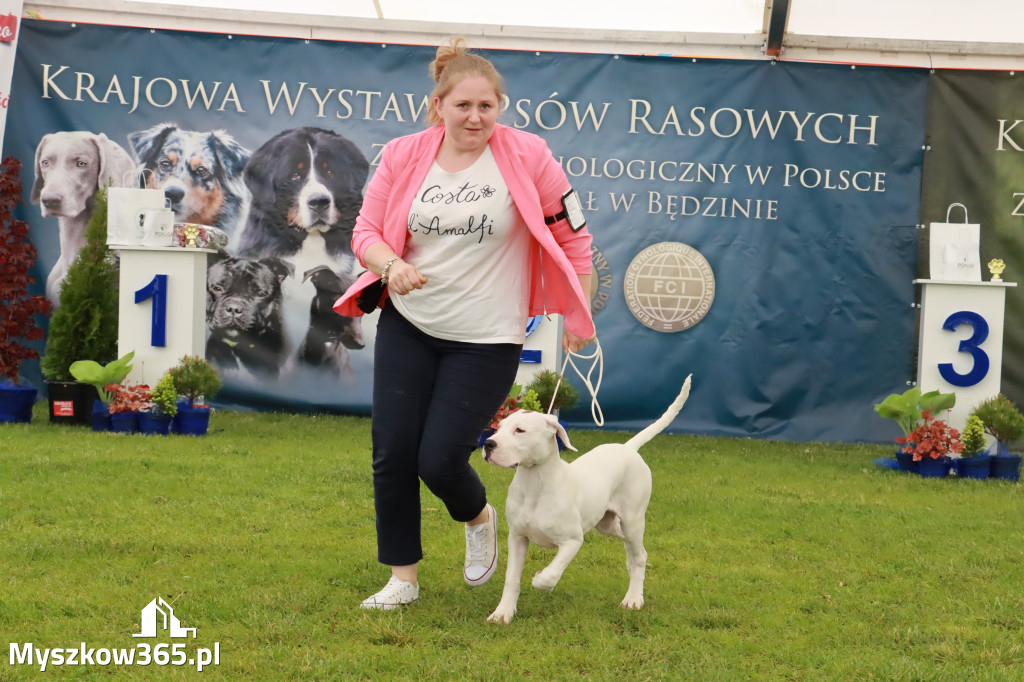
(572, 210)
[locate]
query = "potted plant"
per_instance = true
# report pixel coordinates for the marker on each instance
(163, 407)
(126, 402)
(84, 326)
(194, 378)
(1004, 422)
(974, 461)
(99, 377)
(906, 409)
(931, 445)
(544, 384)
(18, 309)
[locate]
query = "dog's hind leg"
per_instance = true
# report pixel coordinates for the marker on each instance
(517, 546)
(636, 561)
(610, 525)
(548, 577)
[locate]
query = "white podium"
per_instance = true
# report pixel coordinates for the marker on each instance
(161, 308)
(961, 341)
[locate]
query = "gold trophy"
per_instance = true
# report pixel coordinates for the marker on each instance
(996, 267)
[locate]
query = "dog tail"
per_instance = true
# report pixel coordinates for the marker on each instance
(640, 439)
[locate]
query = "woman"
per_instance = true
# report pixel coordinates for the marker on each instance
(453, 227)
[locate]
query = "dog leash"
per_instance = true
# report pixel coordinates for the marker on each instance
(598, 364)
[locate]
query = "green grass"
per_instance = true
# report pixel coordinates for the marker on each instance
(768, 561)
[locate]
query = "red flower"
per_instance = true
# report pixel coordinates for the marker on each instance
(932, 439)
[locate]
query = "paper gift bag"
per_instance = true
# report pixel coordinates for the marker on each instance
(125, 210)
(954, 250)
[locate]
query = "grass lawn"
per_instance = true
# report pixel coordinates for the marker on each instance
(768, 561)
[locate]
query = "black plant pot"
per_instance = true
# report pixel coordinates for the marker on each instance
(71, 402)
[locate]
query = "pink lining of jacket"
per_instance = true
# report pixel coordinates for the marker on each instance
(536, 183)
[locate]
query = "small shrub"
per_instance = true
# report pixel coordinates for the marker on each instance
(194, 377)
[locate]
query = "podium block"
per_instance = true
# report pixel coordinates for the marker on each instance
(961, 342)
(161, 308)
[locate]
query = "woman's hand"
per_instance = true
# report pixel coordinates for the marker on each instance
(573, 343)
(403, 278)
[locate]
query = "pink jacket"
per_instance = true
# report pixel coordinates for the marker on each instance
(536, 183)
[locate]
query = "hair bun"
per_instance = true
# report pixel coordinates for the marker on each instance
(456, 47)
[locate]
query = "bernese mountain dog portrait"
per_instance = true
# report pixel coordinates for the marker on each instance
(200, 172)
(306, 186)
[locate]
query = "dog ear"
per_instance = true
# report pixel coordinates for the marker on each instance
(37, 185)
(232, 155)
(559, 430)
(281, 268)
(145, 142)
(114, 161)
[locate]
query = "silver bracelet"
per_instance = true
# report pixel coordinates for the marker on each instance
(387, 267)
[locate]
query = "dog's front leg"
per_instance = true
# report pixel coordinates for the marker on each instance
(517, 546)
(547, 578)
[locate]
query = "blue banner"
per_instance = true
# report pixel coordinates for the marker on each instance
(753, 222)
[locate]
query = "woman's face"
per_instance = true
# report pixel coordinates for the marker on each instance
(469, 111)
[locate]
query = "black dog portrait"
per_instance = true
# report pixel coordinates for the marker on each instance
(304, 182)
(244, 313)
(330, 335)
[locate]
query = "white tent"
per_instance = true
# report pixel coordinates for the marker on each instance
(930, 33)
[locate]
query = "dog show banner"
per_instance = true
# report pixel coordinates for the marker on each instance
(753, 222)
(975, 157)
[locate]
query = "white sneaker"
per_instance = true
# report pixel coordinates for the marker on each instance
(482, 549)
(396, 593)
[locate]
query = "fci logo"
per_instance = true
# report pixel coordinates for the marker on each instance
(8, 28)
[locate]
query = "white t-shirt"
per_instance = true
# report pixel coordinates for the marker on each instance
(470, 242)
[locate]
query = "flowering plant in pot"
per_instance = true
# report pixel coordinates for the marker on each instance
(907, 410)
(932, 443)
(1004, 422)
(126, 401)
(18, 309)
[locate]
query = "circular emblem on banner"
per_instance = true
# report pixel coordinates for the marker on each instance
(669, 287)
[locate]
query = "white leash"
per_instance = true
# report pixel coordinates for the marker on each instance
(598, 364)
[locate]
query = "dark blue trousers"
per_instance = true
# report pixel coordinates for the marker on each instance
(431, 400)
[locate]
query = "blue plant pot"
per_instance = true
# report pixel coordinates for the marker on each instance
(16, 403)
(154, 423)
(124, 422)
(1006, 467)
(100, 416)
(183, 404)
(194, 421)
(934, 468)
(906, 461)
(978, 466)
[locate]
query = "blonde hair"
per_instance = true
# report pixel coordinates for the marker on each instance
(451, 65)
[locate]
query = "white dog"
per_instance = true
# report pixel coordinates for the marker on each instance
(553, 503)
(70, 166)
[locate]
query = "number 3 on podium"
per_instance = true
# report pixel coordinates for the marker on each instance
(971, 346)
